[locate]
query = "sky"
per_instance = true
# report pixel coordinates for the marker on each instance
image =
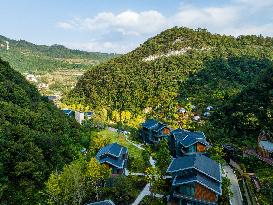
(119, 26)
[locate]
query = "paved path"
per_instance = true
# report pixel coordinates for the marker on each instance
(254, 153)
(143, 193)
(146, 189)
(139, 146)
(152, 161)
(235, 188)
(136, 174)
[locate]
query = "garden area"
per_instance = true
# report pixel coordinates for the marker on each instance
(138, 159)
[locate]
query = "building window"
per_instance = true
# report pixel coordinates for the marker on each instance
(187, 190)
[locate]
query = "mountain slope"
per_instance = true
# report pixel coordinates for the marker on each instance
(244, 116)
(24, 56)
(175, 65)
(35, 139)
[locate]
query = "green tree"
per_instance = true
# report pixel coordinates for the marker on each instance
(226, 192)
(216, 153)
(96, 174)
(154, 178)
(163, 156)
(98, 142)
(69, 186)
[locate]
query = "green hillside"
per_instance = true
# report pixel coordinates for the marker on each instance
(36, 138)
(242, 118)
(192, 69)
(24, 56)
(176, 65)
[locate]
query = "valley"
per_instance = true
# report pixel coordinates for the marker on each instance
(165, 118)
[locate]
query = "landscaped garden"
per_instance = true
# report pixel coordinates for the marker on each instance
(138, 158)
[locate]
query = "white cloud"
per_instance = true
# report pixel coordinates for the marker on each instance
(127, 22)
(205, 17)
(65, 25)
(123, 31)
(107, 46)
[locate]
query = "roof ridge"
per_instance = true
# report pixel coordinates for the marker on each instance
(185, 137)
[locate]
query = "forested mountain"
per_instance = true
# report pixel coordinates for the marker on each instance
(249, 112)
(36, 138)
(178, 66)
(24, 56)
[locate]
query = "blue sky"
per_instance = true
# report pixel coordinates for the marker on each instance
(121, 25)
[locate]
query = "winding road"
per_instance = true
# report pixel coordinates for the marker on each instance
(236, 199)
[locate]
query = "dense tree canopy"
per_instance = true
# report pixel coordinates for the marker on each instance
(245, 115)
(207, 68)
(35, 139)
(177, 67)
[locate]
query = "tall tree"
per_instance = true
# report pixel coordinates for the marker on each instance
(163, 156)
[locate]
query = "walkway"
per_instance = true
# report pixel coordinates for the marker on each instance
(152, 161)
(143, 193)
(146, 189)
(254, 153)
(235, 188)
(139, 146)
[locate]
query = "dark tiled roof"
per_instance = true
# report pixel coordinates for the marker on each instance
(200, 179)
(154, 125)
(51, 97)
(118, 163)
(68, 112)
(106, 202)
(89, 113)
(187, 138)
(111, 149)
(112, 154)
(198, 162)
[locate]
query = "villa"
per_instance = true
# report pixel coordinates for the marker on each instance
(115, 157)
(153, 131)
(196, 180)
(184, 142)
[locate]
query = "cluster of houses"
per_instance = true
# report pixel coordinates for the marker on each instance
(5, 45)
(34, 79)
(196, 179)
(196, 117)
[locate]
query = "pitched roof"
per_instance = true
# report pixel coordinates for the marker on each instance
(111, 154)
(52, 97)
(199, 162)
(67, 112)
(199, 178)
(89, 113)
(105, 202)
(113, 149)
(187, 138)
(154, 125)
